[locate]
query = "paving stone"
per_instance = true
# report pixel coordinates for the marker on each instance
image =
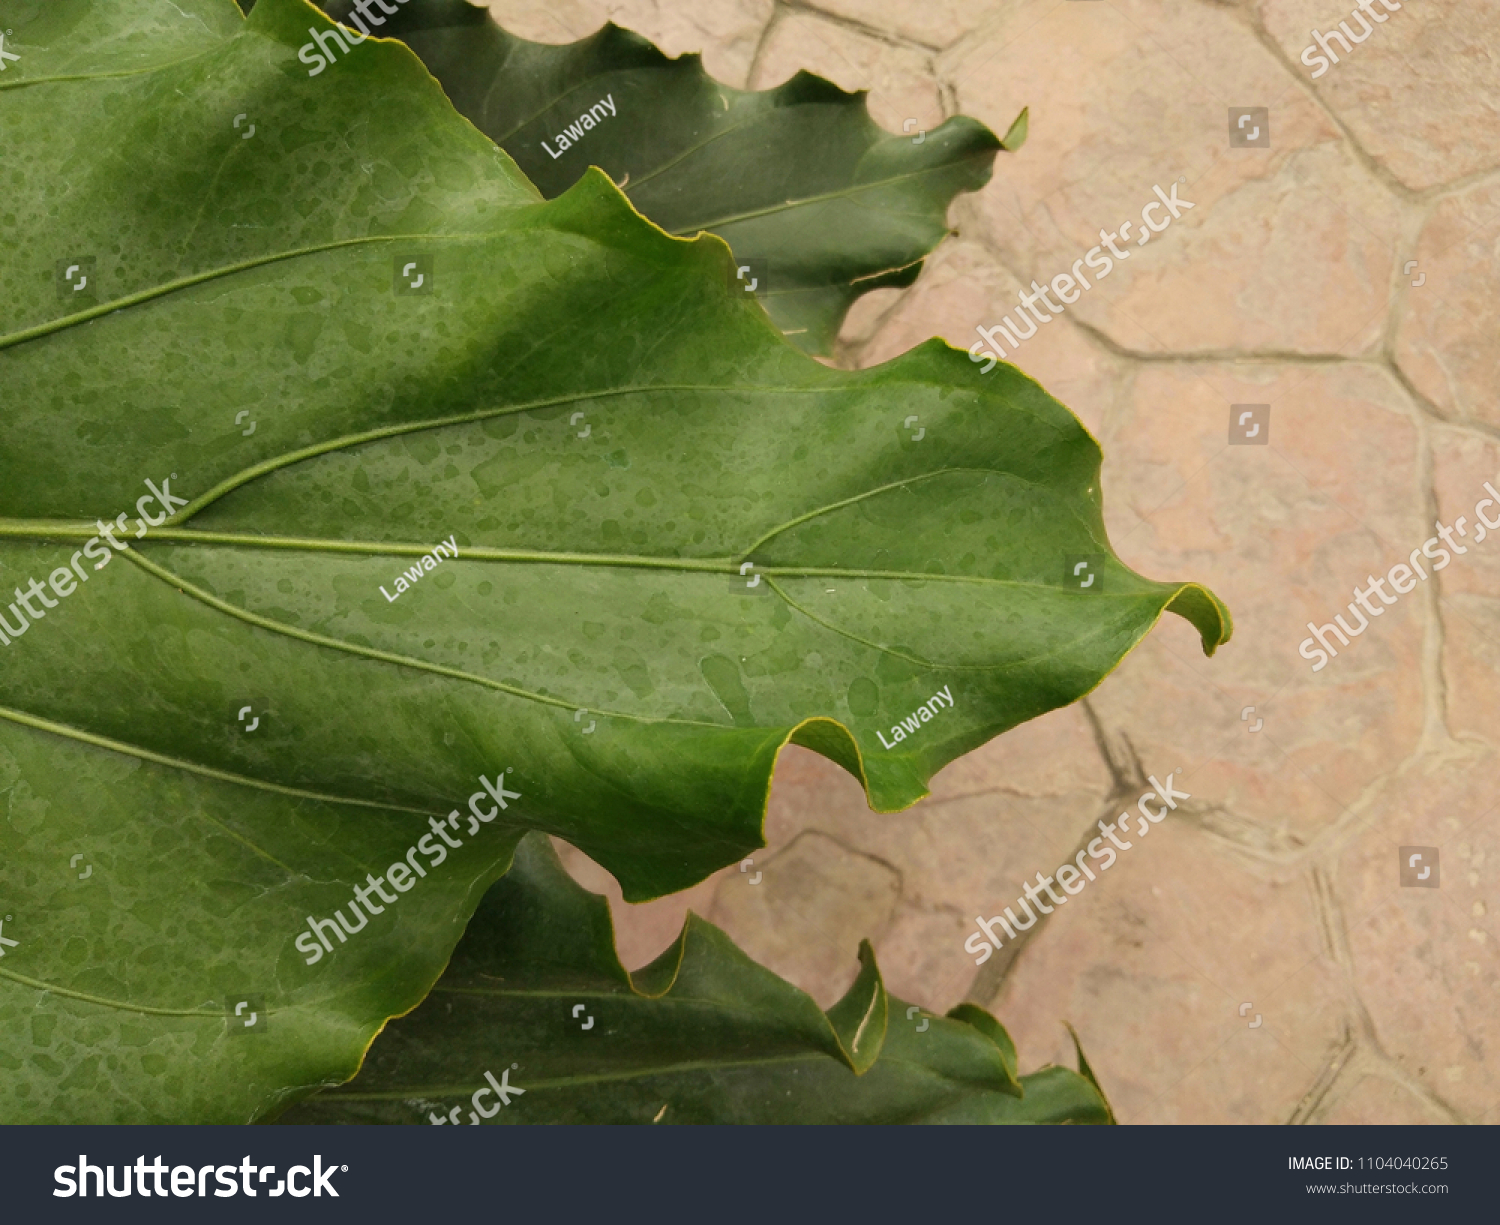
(1281, 532)
(1152, 965)
(1417, 93)
(1131, 96)
(922, 958)
(642, 929)
(1444, 343)
(1462, 463)
(725, 31)
(932, 25)
(1379, 1100)
(1054, 754)
(964, 287)
(815, 901)
(899, 79)
(970, 852)
(1428, 960)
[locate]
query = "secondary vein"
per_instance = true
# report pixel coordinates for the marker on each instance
(391, 657)
(163, 759)
(157, 291)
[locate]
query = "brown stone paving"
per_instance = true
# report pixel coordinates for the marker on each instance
(1274, 892)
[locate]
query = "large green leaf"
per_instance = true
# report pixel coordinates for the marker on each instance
(606, 432)
(798, 179)
(536, 993)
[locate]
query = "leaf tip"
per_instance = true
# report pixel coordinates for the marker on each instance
(1207, 613)
(859, 1020)
(1087, 1072)
(1015, 135)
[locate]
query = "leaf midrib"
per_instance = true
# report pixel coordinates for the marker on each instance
(675, 1069)
(41, 530)
(423, 665)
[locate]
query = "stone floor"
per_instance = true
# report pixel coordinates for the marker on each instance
(1257, 961)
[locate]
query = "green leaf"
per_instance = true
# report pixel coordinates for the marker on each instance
(605, 432)
(1087, 1072)
(743, 548)
(973, 1014)
(798, 180)
(703, 1035)
(1015, 137)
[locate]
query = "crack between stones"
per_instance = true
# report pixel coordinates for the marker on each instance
(1128, 780)
(772, 22)
(1376, 168)
(897, 42)
(1359, 1027)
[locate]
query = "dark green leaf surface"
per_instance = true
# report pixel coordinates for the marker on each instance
(799, 180)
(702, 1035)
(606, 433)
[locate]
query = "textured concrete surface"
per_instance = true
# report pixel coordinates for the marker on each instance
(1257, 960)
